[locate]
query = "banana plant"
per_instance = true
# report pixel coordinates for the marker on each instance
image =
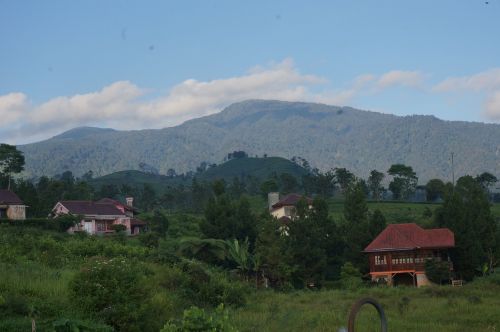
(240, 255)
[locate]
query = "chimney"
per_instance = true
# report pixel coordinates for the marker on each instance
(273, 198)
(130, 201)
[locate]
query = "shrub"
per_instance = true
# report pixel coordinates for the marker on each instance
(112, 289)
(437, 271)
(350, 277)
(72, 325)
(196, 319)
(403, 304)
(118, 228)
(204, 286)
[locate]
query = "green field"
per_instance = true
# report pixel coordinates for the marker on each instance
(394, 212)
(473, 307)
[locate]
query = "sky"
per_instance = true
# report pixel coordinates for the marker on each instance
(154, 64)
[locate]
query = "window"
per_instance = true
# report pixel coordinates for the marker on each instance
(380, 260)
(101, 226)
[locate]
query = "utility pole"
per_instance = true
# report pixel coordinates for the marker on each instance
(452, 171)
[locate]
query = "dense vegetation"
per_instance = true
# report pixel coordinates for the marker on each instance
(213, 259)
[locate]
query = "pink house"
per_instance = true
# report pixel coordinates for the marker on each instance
(98, 217)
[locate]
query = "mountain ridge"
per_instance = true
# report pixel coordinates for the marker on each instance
(327, 136)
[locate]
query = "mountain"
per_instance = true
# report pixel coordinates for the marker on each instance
(327, 136)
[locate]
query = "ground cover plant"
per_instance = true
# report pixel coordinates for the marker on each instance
(473, 307)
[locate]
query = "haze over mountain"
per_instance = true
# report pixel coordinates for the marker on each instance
(327, 136)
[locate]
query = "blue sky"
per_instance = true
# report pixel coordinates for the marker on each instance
(153, 64)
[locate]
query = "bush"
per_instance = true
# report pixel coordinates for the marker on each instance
(437, 271)
(204, 286)
(113, 290)
(196, 319)
(72, 325)
(60, 224)
(118, 228)
(350, 277)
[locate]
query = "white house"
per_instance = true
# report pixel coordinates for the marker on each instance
(285, 209)
(98, 217)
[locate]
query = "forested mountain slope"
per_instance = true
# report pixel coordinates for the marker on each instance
(327, 136)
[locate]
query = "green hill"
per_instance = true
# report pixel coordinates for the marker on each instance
(137, 179)
(261, 168)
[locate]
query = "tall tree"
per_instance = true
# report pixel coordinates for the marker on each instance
(11, 161)
(344, 178)
(288, 183)
(355, 227)
(324, 183)
(375, 183)
(404, 181)
(486, 180)
(466, 211)
(377, 223)
(227, 220)
(313, 244)
(434, 189)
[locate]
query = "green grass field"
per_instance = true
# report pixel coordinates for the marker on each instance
(394, 211)
(473, 307)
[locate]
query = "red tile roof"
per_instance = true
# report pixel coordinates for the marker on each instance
(291, 200)
(91, 208)
(8, 197)
(411, 236)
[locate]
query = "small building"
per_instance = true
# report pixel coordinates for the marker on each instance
(285, 209)
(99, 217)
(11, 206)
(398, 254)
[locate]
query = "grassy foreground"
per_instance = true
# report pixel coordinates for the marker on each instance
(474, 307)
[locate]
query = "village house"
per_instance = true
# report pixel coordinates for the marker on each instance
(11, 206)
(285, 209)
(398, 254)
(99, 217)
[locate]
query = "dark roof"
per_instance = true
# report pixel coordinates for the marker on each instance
(89, 207)
(411, 236)
(285, 220)
(291, 200)
(8, 197)
(115, 202)
(137, 222)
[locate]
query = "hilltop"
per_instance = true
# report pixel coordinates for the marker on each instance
(259, 168)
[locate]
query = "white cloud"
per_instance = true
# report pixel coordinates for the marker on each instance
(400, 78)
(123, 105)
(12, 106)
(486, 83)
(492, 106)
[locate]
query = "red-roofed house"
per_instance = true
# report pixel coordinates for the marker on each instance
(398, 254)
(98, 217)
(285, 209)
(11, 206)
